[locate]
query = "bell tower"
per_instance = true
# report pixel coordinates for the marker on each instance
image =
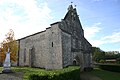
(72, 20)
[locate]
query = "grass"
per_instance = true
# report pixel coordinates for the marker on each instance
(105, 75)
(28, 71)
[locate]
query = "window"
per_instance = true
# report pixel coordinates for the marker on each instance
(52, 44)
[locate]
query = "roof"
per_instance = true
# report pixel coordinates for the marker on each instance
(31, 35)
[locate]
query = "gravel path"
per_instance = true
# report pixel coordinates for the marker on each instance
(87, 76)
(11, 76)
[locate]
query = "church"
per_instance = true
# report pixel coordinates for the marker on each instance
(60, 45)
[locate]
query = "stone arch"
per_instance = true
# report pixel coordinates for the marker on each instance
(79, 60)
(76, 60)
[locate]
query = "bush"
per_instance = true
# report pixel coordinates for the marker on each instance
(88, 69)
(72, 75)
(110, 67)
(37, 77)
(102, 61)
(118, 60)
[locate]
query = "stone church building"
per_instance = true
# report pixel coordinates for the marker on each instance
(59, 46)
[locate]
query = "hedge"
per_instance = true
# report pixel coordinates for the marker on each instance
(37, 77)
(73, 75)
(88, 69)
(110, 67)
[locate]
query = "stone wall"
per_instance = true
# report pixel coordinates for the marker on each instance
(66, 49)
(87, 53)
(26, 53)
(42, 49)
(54, 47)
(80, 47)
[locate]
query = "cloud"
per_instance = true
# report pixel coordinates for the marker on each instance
(92, 31)
(114, 38)
(25, 17)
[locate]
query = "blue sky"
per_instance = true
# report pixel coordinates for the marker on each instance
(100, 19)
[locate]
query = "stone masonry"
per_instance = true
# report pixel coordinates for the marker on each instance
(60, 45)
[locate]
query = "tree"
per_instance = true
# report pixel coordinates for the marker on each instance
(98, 54)
(2, 55)
(11, 43)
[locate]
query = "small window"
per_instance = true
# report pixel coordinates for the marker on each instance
(52, 44)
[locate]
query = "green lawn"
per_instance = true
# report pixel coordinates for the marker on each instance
(28, 71)
(105, 75)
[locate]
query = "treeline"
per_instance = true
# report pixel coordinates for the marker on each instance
(101, 56)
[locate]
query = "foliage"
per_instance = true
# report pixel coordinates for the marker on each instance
(118, 60)
(37, 77)
(10, 43)
(98, 54)
(110, 67)
(102, 61)
(2, 55)
(110, 55)
(72, 75)
(105, 75)
(88, 69)
(69, 72)
(101, 56)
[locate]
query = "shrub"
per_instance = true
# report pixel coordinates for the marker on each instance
(110, 67)
(118, 60)
(37, 77)
(88, 69)
(72, 75)
(102, 61)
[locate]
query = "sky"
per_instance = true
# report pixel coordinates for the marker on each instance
(100, 19)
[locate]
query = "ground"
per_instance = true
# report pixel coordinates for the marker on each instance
(24, 72)
(19, 76)
(12, 76)
(87, 76)
(96, 74)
